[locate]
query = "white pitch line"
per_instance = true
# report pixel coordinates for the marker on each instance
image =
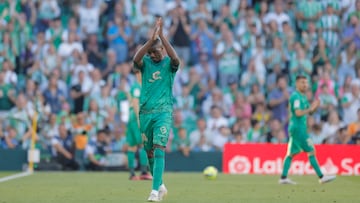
(15, 176)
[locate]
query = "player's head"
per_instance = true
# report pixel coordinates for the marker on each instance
(155, 51)
(301, 83)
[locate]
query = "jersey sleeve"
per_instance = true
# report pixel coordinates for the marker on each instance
(295, 102)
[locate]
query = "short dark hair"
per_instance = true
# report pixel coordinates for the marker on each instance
(299, 77)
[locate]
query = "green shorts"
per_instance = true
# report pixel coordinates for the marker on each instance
(133, 135)
(299, 141)
(156, 128)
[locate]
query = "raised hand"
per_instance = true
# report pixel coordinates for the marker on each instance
(156, 31)
(314, 105)
(159, 24)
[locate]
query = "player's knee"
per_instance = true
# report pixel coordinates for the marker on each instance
(156, 146)
(311, 154)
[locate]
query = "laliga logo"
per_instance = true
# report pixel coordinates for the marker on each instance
(239, 165)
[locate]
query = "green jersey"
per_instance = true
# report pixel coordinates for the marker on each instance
(157, 83)
(298, 101)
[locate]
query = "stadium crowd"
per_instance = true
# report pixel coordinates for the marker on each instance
(68, 64)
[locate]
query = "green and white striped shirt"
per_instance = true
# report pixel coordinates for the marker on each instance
(328, 22)
(308, 9)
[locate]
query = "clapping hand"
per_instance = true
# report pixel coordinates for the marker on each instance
(314, 105)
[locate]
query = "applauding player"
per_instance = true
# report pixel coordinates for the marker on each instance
(156, 102)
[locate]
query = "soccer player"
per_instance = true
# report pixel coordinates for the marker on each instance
(133, 137)
(156, 102)
(299, 138)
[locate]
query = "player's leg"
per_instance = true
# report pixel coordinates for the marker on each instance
(131, 162)
(134, 130)
(292, 150)
(144, 164)
(147, 138)
(162, 125)
(131, 142)
(309, 148)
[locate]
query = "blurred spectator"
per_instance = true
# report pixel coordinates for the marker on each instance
(205, 68)
(227, 54)
(332, 125)
(238, 138)
(300, 65)
(316, 134)
(63, 149)
(321, 54)
(96, 151)
(54, 96)
(328, 102)
(308, 11)
(346, 63)
(89, 17)
(94, 51)
(278, 15)
(182, 143)
(80, 129)
(351, 103)
(68, 46)
(186, 102)
(142, 21)
(202, 135)
(241, 107)
(7, 96)
(180, 31)
(251, 77)
(329, 28)
(79, 91)
(351, 32)
(9, 141)
(278, 99)
(216, 99)
(277, 133)
(354, 127)
(203, 38)
(221, 138)
(216, 119)
(49, 131)
(119, 34)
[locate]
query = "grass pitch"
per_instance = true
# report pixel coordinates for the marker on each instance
(103, 187)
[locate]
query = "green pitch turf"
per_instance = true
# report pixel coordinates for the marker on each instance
(104, 187)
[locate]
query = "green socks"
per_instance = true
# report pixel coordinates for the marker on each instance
(131, 162)
(286, 167)
(313, 162)
(158, 169)
(151, 165)
(315, 165)
(143, 160)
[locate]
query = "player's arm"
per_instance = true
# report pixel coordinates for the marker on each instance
(144, 49)
(310, 110)
(168, 47)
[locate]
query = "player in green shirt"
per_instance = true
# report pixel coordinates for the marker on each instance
(133, 136)
(299, 138)
(156, 102)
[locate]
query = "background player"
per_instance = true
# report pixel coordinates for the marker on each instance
(133, 136)
(156, 102)
(299, 138)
